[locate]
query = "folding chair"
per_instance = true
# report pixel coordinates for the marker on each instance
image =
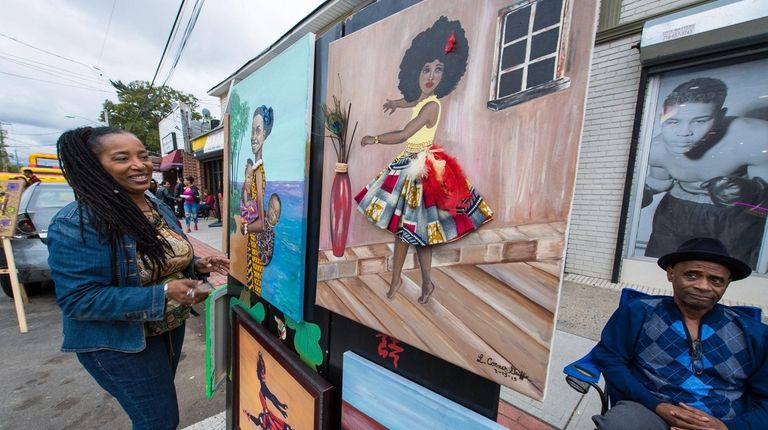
(583, 373)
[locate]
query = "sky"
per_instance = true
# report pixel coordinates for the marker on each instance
(57, 56)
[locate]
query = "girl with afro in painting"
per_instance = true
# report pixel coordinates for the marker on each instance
(422, 196)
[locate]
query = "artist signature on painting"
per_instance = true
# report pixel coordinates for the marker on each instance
(510, 371)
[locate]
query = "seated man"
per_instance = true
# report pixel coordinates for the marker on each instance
(685, 361)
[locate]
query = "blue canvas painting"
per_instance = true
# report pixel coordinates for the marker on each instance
(376, 398)
(270, 117)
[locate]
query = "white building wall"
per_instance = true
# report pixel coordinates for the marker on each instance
(175, 122)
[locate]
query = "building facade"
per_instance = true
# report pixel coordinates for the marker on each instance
(644, 49)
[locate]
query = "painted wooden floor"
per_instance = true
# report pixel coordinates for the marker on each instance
(494, 319)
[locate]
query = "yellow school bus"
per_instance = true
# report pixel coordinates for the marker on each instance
(44, 166)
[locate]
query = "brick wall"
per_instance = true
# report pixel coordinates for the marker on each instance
(613, 87)
(191, 167)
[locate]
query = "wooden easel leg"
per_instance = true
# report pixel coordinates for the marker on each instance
(19, 295)
(23, 291)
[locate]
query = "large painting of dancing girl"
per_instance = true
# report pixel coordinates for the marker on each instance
(468, 121)
(269, 143)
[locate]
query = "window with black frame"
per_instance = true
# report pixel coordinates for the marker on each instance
(529, 52)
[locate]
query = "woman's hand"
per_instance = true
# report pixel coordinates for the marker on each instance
(212, 264)
(367, 140)
(186, 292)
(391, 105)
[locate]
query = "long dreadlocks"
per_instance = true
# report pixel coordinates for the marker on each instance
(111, 210)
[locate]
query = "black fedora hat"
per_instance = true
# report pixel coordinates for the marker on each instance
(706, 249)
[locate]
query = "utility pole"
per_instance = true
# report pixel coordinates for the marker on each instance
(3, 151)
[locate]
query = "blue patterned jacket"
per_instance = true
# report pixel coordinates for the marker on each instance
(645, 353)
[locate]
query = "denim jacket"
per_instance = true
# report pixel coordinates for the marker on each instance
(98, 314)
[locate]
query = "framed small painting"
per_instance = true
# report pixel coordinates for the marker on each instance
(216, 336)
(273, 388)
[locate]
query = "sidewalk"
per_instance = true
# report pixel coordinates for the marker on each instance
(208, 241)
(576, 333)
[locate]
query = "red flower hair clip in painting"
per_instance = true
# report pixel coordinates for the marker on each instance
(450, 44)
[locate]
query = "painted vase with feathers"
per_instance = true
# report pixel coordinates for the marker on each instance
(336, 121)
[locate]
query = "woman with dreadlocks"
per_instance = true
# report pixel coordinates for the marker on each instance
(125, 274)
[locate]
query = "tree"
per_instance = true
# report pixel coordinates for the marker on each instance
(5, 164)
(140, 108)
(238, 126)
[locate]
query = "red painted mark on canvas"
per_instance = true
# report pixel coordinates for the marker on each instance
(388, 348)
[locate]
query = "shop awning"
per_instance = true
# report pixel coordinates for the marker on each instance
(171, 160)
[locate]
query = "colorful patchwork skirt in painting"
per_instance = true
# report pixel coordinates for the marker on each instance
(424, 199)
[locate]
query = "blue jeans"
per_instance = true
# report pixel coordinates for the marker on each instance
(190, 213)
(142, 382)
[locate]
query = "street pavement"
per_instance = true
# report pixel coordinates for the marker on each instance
(47, 389)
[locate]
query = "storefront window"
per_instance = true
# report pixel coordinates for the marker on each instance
(704, 160)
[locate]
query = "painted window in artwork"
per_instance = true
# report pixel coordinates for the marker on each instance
(529, 47)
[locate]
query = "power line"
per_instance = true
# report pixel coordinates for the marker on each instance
(187, 32)
(46, 51)
(106, 33)
(56, 83)
(36, 134)
(38, 65)
(25, 144)
(55, 74)
(174, 31)
(167, 42)
(143, 108)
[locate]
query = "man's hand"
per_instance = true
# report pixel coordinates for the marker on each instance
(688, 418)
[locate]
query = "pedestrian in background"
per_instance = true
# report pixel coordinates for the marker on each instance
(125, 274)
(153, 187)
(191, 199)
(179, 201)
(165, 194)
(206, 202)
(30, 177)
